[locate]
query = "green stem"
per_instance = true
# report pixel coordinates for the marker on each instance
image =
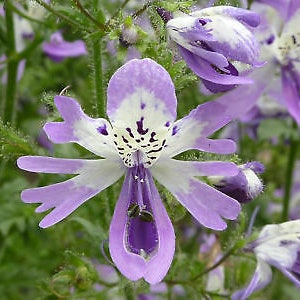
(98, 78)
(289, 178)
(219, 262)
(91, 18)
(122, 6)
(62, 16)
(237, 245)
(9, 109)
(140, 11)
(129, 292)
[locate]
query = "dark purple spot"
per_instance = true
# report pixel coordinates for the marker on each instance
(102, 130)
(167, 124)
(153, 134)
(153, 150)
(202, 22)
(143, 105)
(286, 243)
(270, 39)
(174, 130)
(124, 140)
(140, 125)
(130, 132)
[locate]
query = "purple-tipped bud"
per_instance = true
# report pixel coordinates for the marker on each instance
(243, 187)
(129, 36)
(164, 14)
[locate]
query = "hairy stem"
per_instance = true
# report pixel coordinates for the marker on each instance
(9, 109)
(98, 78)
(90, 17)
(289, 178)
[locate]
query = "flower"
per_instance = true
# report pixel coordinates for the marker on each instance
(58, 49)
(139, 140)
(211, 40)
(279, 79)
(245, 186)
(277, 245)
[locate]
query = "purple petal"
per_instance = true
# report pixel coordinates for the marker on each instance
(206, 71)
(58, 48)
(194, 168)
(218, 168)
(205, 203)
(121, 243)
(220, 146)
(207, 118)
(160, 263)
(42, 164)
(141, 109)
(129, 264)
(261, 278)
(66, 196)
(242, 15)
(291, 95)
(92, 134)
(141, 88)
(285, 7)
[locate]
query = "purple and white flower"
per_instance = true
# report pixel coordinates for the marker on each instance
(140, 141)
(58, 49)
(245, 186)
(214, 42)
(278, 245)
(279, 79)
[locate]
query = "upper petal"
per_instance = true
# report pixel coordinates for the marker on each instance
(93, 134)
(141, 88)
(141, 106)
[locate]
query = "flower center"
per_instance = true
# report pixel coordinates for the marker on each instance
(288, 48)
(148, 143)
(141, 231)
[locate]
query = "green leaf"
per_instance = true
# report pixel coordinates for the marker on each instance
(93, 230)
(13, 144)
